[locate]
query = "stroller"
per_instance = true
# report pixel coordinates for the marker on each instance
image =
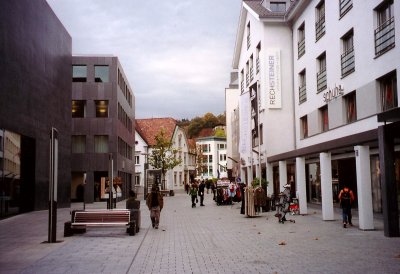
(283, 205)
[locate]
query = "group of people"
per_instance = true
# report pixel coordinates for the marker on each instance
(197, 189)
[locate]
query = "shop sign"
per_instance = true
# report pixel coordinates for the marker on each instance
(333, 93)
(273, 78)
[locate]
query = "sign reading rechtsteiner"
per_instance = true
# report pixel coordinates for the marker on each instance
(273, 78)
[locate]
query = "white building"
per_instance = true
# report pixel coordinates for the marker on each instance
(141, 154)
(213, 150)
(322, 79)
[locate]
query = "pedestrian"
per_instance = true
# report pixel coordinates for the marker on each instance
(346, 198)
(193, 193)
(131, 202)
(155, 203)
(208, 185)
(201, 192)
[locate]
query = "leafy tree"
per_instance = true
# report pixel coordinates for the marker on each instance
(163, 155)
(210, 120)
(196, 125)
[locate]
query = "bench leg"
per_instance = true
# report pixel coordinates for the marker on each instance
(132, 228)
(68, 231)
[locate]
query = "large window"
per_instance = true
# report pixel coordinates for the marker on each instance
(385, 32)
(388, 91)
(303, 127)
(79, 73)
(301, 41)
(324, 118)
(321, 74)
(351, 107)
(101, 144)
(101, 108)
(347, 57)
(101, 74)
(78, 143)
(78, 108)
(302, 87)
(319, 20)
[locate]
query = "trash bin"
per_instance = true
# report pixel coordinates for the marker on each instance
(171, 192)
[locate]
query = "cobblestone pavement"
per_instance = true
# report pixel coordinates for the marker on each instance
(209, 239)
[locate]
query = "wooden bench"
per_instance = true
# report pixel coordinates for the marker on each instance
(164, 192)
(80, 219)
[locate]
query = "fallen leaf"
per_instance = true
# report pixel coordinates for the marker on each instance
(282, 243)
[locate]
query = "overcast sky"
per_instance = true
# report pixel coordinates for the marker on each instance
(177, 54)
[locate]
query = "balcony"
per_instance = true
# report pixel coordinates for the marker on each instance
(257, 65)
(345, 6)
(347, 61)
(321, 80)
(301, 48)
(248, 41)
(247, 79)
(242, 86)
(302, 94)
(384, 37)
(251, 74)
(320, 28)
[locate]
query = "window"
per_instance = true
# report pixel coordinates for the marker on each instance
(344, 7)
(137, 160)
(324, 118)
(101, 144)
(385, 32)
(302, 87)
(78, 108)
(278, 6)
(347, 57)
(78, 143)
(101, 74)
(221, 146)
(101, 108)
(321, 74)
(258, 49)
(304, 127)
(248, 35)
(261, 134)
(247, 74)
(301, 41)
(210, 158)
(320, 20)
(79, 73)
(351, 107)
(251, 68)
(388, 91)
(222, 157)
(242, 81)
(205, 148)
(137, 179)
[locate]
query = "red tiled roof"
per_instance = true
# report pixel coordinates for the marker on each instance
(149, 128)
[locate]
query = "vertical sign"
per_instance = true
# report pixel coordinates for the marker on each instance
(273, 83)
(244, 138)
(53, 186)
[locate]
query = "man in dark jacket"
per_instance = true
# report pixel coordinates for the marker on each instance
(155, 203)
(201, 192)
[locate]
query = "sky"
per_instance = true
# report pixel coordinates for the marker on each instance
(176, 54)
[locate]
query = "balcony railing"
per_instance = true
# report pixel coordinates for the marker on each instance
(247, 79)
(302, 94)
(321, 80)
(257, 65)
(320, 28)
(251, 74)
(248, 42)
(242, 86)
(301, 46)
(345, 6)
(384, 37)
(347, 61)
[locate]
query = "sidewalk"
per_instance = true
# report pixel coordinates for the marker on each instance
(209, 239)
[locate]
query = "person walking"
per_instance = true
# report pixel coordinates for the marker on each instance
(155, 203)
(201, 192)
(346, 198)
(193, 193)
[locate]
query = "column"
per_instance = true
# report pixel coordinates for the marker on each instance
(282, 175)
(364, 193)
(270, 179)
(326, 186)
(301, 184)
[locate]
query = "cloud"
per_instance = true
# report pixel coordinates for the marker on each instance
(176, 53)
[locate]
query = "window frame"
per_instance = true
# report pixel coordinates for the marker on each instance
(79, 78)
(99, 108)
(96, 74)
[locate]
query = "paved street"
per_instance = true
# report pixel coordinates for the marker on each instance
(209, 239)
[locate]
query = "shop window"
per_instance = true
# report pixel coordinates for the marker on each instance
(388, 91)
(78, 143)
(101, 144)
(101, 74)
(324, 118)
(304, 127)
(78, 108)
(79, 73)
(319, 20)
(385, 32)
(101, 108)
(351, 107)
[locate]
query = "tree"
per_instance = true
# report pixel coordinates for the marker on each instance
(210, 120)
(163, 155)
(196, 125)
(201, 161)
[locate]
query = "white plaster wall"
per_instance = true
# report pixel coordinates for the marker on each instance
(231, 103)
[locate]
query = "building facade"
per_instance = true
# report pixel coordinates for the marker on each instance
(213, 151)
(332, 67)
(102, 127)
(35, 96)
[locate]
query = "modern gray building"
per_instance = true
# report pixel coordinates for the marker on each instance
(35, 96)
(102, 125)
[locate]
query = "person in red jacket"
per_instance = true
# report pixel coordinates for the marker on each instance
(346, 198)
